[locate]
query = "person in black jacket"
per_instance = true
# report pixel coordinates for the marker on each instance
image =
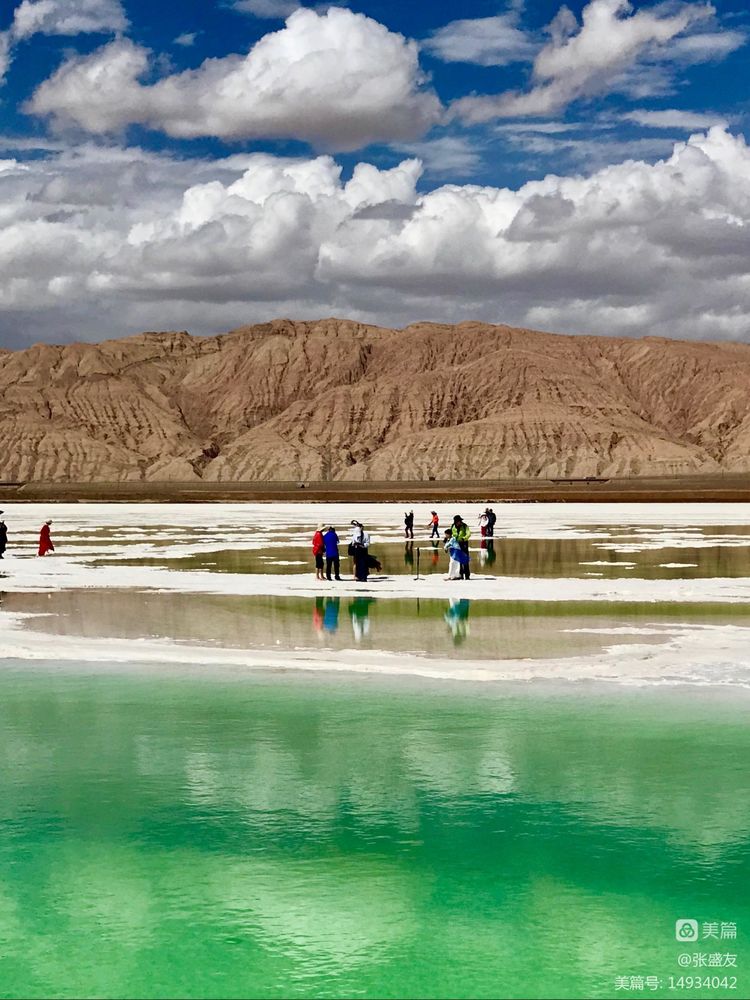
(3, 537)
(491, 518)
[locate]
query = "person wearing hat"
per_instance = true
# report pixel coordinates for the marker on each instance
(45, 539)
(358, 550)
(434, 524)
(3, 537)
(318, 548)
(462, 533)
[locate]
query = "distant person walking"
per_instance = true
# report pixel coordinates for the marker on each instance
(358, 550)
(462, 533)
(409, 524)
(333, 561)
(483, 523)
(45, 539)
(318, 548)
(3, 537)
(434, 524)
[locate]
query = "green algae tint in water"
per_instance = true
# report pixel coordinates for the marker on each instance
(183, 837)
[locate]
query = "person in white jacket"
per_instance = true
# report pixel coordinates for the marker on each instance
(358, 549)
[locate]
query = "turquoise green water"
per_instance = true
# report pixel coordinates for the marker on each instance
(179, 836)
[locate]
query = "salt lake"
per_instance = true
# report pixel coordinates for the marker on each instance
(221, 777)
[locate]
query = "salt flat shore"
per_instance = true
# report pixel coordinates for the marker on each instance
(92, 539)
(121, 548)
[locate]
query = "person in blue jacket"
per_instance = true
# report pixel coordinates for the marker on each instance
(331, 543)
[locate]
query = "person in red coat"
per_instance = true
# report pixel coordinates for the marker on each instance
(318, 547)
(45, 539)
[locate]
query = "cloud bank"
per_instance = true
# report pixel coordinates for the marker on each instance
(97, 242)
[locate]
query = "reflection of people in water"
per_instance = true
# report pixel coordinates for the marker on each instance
(457, 618)
(435, 553)
(359, 610)
(331, 614)
(409, 553)
(318, 614)
(326, 614)
(491, 554)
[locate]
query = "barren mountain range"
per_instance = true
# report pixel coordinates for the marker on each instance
(336, 399)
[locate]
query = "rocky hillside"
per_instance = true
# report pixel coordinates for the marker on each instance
(340, 400)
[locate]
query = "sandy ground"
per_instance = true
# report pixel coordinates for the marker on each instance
(731, 487)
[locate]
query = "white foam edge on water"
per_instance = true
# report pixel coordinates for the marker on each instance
(691, 656)
(611, 563)
(57, 572)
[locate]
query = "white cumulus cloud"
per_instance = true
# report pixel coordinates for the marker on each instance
(591, 58)
(59, 17)
(338, 80)
(67, 17)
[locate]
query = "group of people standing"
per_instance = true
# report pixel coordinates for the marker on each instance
(325, 547)
(45, 538)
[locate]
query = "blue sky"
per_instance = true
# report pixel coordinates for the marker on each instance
(578, 167)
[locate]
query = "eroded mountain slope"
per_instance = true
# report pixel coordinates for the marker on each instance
(341, 400)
